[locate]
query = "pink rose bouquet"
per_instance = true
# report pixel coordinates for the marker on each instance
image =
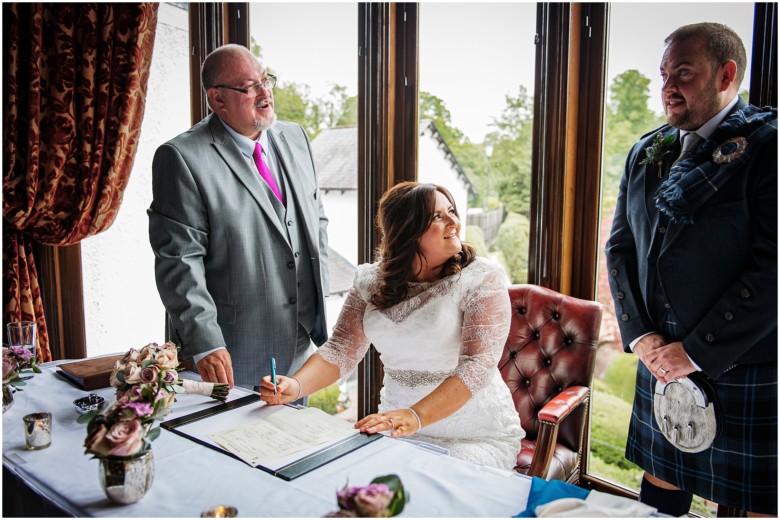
(15, 360)
(124, 428)
(382, 498)
(146, 382)
(158, 365)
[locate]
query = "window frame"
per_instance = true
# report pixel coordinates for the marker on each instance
(566, 164)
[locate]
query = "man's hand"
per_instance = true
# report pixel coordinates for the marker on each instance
(217, 367)
(670, 363)
(647, 345)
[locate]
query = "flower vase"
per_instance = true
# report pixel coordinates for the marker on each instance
(125, 480)
(8, 397)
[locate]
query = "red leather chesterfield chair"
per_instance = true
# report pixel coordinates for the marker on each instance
(547, 363)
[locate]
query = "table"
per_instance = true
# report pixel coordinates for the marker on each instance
(190, 478)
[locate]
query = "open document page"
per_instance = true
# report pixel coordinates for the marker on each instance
(275, 440)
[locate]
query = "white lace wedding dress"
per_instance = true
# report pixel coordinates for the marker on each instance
(454, 326)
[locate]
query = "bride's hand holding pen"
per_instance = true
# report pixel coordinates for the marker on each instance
(286, 390)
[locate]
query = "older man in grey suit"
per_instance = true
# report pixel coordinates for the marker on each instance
(238, 230)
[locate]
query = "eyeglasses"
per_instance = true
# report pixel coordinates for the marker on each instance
(253, 90)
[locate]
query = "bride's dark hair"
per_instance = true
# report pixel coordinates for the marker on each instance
(405, 212)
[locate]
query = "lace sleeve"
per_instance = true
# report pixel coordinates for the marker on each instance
(348, 343)
(486, 315)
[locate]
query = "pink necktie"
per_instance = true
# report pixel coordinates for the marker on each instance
(265, 172)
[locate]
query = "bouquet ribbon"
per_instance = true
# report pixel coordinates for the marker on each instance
(197, 387)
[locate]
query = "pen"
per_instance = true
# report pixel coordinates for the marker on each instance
(273, 373)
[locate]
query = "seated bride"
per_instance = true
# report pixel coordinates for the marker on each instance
(439, 316)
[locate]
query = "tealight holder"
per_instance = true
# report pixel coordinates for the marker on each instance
(220, 512)
(88, 403)
(37, 431)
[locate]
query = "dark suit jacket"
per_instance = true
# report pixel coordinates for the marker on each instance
(223, 263)
(718, 275)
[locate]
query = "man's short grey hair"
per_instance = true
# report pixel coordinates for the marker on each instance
(723, 44)
(214, 64)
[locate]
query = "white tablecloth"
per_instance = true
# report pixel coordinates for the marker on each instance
(190, 478)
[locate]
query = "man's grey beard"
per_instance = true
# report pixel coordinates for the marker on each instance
(265, 124)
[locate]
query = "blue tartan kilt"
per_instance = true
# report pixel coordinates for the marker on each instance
(740, 468)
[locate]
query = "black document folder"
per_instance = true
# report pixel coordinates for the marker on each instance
(291, 471)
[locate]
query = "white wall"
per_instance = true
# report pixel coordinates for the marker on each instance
(341, 210)
(435, 168)
(121, 303)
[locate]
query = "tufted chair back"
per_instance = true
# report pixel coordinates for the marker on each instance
(547, 363)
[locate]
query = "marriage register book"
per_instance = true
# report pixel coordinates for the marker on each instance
(91, 373)
(285, 441)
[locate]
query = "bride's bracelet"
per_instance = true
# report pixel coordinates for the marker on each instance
(419, 422)
(299, 390)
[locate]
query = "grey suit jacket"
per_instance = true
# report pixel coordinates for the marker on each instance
(222, 258)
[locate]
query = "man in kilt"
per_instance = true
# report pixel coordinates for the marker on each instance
(692, 260)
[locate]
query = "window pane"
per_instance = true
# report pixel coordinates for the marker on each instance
(121, 304)
(476, 112)
(312, 48)
(634, 108)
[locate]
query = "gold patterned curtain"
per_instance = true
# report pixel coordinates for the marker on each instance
(74, 78)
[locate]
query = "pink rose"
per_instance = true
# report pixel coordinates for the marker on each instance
(126, 438)
(9, 366)
(369, 501)
(166, 397)
(22, 353)
(169, 345)
(119, 366)
(170, 376)
(132, 374)
(167, 358)
(140, 408)
(147, 352)
(372, 501)
(134, 393)
(96, 441)
(130, 357)
(346, 498)
(150, 374)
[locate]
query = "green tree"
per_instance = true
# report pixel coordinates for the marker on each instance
(513, 242)
(471, 157)
(349, 114)
(510, 162)
(476, 237)
(628, 117)
(293, 102)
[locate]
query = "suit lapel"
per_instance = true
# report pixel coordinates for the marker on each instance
(297, 187)
(227, 149)
(652, 181)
